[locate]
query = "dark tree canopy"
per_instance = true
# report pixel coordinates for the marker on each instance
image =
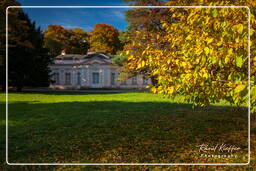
(27, 59)
(3, 5)
(74, 41)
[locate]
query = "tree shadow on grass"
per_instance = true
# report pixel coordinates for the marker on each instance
(115, 131)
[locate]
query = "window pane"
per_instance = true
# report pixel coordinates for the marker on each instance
(57, 78)
(95, 78)
(112, 78)
(78, 78)
(67, 79)
(145, 81)
(134, 80)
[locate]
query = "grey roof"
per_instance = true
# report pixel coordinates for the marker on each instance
(71, 56)
(98, 55)
(86, 58)
(77, 56)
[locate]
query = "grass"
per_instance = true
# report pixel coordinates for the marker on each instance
(116, 128)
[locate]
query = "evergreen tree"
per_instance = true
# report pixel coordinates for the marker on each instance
(27, 59)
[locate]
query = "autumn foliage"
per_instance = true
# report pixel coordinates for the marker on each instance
(104, 38)
(57, 38)
(201, 54)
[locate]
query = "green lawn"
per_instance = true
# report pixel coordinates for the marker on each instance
(117, 127)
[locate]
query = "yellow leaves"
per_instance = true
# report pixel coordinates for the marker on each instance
(189, 37)
(196, 51)
(239, 88)
(169, 61)
(171, 90)
(155, 72)
(206, 50)
(183, 64)
(230, 51)
(237, 40)
(209, 40)
(141, 65)
(238, 28)
(205, 75)
(202, 84)
(203, 60)
(165, 25)
(214, 59)
(226, 60)
(131, 57)
(197, 60)
(154, 90)
(214, 12)
(207, 20)
(220, 42)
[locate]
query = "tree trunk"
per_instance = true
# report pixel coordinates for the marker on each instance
(153, 80)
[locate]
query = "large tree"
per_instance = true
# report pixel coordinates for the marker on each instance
(105, 38)
(201, 53)
(143, 28)
(3, 5)
(74, 41)
(27, 59)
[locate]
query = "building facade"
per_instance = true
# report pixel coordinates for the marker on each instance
(94, 70)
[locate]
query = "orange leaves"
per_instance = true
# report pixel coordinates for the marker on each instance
(104, 38)
(58, 38)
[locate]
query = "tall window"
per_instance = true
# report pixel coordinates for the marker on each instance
(95, 78)
(134, 80)
(112, 78)
(78, 78)
(56, 78)
(67, 78)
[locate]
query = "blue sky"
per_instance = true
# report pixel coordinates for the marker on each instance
(82, 17)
